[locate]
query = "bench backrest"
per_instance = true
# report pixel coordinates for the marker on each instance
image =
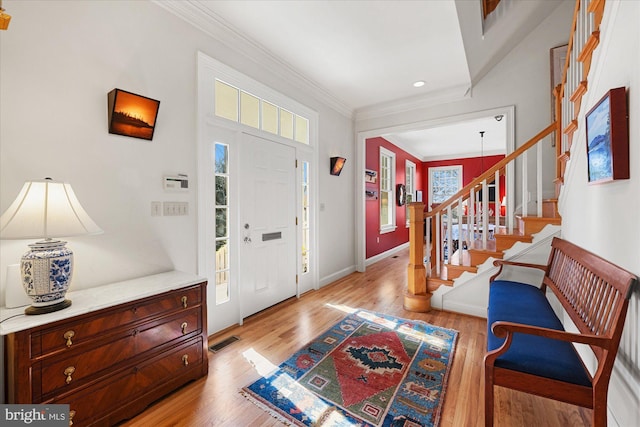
(594, 292)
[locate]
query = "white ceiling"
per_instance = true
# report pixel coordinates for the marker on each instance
(365, 55)
(455, 140)
(363, 52)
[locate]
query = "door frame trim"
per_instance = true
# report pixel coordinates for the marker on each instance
(208, 69)
(363, 135)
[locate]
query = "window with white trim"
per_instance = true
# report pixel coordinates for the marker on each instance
(387, 192)
(444, 182)
(305, 217)
(222, 223)
(410, 185)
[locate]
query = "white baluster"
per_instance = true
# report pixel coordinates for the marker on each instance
(539, 178)
(438, 243)
(525, 189)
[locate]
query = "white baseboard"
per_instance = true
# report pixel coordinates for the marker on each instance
(386, 254)
(336, 276)
(472, 310)
(624, 396)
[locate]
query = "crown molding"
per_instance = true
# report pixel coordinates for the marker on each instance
(407, 148)
(202, 18)
(429, 99)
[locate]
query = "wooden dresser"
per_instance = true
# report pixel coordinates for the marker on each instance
(117, 349)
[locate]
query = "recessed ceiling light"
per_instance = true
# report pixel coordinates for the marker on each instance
(419, 83)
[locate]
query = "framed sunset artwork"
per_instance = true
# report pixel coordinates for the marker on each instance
(132, 115)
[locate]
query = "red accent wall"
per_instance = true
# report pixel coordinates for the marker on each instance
(378, 243)
(471, 167)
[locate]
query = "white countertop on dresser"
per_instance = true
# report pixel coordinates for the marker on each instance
(92, 299)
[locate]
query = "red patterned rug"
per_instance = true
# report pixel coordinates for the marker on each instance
(367, 370)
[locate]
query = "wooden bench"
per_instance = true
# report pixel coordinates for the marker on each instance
(528, 348)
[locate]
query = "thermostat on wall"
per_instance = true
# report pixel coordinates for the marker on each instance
(176, 183)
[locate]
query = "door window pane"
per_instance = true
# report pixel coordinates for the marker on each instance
(286, 124)
(302, 130)
(226, 101)
(221, 190)
(221, 159)
(221, 222)
(269, 117)
(249, 110)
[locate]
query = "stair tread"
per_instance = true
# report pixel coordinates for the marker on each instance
(435, 282)
(462, 267)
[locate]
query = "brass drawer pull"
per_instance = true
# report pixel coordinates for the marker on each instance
(184, 327)
(72, 414)
(68, 372)
(185, 359)
(67, 336)
(184, 301)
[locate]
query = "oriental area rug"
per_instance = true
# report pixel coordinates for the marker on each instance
(367, 370)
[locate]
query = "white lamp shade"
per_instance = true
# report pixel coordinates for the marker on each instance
(46, 209)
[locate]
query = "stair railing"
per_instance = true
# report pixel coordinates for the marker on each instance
(478, 223)
(583, 40)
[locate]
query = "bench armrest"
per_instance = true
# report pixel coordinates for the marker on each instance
(503, 329)
(501, 263)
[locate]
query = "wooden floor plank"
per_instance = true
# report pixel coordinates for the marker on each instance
(274, 334)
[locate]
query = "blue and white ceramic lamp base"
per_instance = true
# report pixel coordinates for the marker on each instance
(46, 275)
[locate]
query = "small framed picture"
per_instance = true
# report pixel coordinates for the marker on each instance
(608, 138)
(370, 176)
(132, 115)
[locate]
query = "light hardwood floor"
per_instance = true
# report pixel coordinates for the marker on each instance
(275, 333)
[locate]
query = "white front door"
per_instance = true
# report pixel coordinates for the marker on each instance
(267, 224)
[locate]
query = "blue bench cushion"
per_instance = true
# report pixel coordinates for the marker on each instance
(540, 356)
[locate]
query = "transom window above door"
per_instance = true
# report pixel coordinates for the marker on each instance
(242, 107)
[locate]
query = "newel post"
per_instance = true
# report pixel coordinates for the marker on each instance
(416, 298)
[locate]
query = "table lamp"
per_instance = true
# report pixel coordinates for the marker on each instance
(46, 210)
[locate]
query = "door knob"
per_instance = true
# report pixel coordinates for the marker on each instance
(246, 226)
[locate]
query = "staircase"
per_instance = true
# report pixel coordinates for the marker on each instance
(432, 269)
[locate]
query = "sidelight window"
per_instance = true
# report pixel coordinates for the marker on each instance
(222, 222)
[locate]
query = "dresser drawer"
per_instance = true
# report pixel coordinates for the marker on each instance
(94, 405)
(110, 364)
(64, 373)
(67, 336)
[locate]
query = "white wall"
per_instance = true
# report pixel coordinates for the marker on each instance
(522, 79)
(604, 218)
(59, 60)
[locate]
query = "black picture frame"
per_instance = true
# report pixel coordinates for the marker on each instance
(336, 164)
(132, 115)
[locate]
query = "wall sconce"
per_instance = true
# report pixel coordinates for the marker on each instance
(337, 163)
(5, 18)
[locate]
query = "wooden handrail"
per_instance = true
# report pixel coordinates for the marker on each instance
(567, 61)
(567, 108)
(464, 192)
